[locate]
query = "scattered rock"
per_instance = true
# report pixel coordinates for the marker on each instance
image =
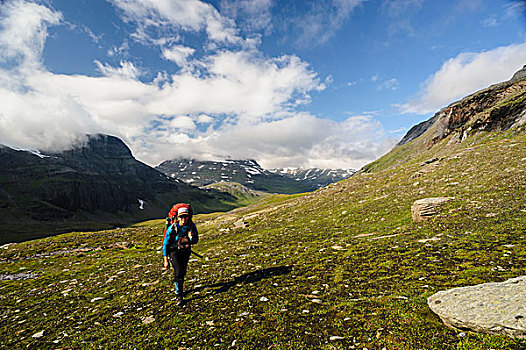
(38, 334)
(335, 337)
(240, 224)
(494, 308)
(432, 239)
(18, 276)
(148, 320)
(425, 208)
(263, 299)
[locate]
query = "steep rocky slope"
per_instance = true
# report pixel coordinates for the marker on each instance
(496, 108)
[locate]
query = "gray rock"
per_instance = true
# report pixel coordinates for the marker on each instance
(520, 74)
(425, 208)
(493, 308)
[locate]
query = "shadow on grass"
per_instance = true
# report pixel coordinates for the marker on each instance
(250, 277)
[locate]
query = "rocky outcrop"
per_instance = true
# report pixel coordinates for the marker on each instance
(494, 308)
(425, 208)
(520, 74)
(418, 130)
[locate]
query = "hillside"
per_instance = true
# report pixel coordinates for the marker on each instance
(244, 195)
(344, 267)
(250, 174)
(98, 183)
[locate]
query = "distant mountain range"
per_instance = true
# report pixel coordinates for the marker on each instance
(250, 174)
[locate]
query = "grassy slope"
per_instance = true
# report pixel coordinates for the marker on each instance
(346, 261)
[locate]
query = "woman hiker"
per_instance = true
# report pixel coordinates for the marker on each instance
(176, 245)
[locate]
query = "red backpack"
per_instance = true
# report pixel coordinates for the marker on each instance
(172, 215)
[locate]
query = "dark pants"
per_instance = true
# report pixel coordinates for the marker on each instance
(179, 258)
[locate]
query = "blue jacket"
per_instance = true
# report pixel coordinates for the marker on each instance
(174, 232)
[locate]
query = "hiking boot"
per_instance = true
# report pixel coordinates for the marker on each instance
(179, 300)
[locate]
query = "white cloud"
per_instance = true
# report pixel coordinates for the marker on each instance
(24, 31)
(465, 74)
(514, 9)
(204, 119)
(181, 15)
(390, 84)
(178, 54)
(491, 22)
(182, 122)
(126, 70)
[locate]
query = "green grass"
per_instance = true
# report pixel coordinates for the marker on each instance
(342, 268)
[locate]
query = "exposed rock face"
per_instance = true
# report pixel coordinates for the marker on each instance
(417, 130)
(495, 308)
(425, 208)
(498, 107)
(520, 74)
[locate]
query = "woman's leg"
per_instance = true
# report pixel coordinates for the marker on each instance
(179, 259)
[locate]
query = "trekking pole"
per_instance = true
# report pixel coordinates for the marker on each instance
(198, 255)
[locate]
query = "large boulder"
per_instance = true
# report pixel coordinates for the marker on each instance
(494, 308)
(427, 207)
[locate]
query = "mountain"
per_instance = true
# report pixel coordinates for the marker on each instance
(499, 107)
(345, 267)
(250, 174)
(98, 181)
(315, 176)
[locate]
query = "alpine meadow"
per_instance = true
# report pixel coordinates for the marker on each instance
(258, 174)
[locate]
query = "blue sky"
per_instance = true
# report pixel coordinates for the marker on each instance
(289, 83)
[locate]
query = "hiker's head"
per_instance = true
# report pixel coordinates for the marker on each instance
(183, 216)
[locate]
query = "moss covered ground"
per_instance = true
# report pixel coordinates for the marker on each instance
(344, 267)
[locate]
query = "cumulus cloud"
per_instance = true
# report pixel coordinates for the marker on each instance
(465, 74)
(23, 30)
(156, 16)
(178, 54)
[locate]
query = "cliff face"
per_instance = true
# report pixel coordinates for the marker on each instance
(498, 107)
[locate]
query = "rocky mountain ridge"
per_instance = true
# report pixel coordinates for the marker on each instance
(499, 107)
(98, 180)
(250, 174)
